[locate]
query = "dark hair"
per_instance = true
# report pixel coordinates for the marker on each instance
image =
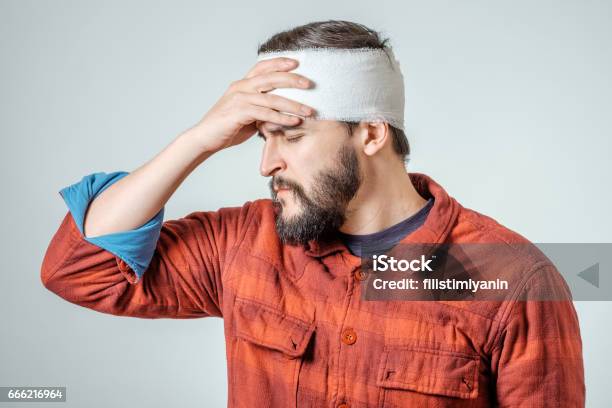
(335, 34)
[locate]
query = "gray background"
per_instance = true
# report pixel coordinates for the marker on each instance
(507, 106)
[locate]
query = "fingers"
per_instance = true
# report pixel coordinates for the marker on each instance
(270, 81)
(259, 113)
(258, 105)
(278, 103)
(271, 65)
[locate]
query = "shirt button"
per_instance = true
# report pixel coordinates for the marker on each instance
(349, 336)
(360, 275)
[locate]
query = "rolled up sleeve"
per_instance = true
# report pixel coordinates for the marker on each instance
(134, 248)
(180, 267)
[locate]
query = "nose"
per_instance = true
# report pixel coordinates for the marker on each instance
(271, 159)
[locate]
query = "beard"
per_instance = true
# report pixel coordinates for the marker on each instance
(323, 210)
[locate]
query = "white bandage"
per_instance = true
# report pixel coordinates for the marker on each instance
(349, 84)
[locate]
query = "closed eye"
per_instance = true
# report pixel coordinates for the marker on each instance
(291, 139)
(295, 138)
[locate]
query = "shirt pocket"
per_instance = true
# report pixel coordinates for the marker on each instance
(427, 376)
(269, 348)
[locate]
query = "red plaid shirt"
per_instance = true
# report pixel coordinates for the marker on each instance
(299, 334)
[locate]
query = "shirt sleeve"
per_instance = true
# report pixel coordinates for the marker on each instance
(134, 247)
(538, 359)
(184, 278)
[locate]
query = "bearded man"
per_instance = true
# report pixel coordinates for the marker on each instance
(285, 274)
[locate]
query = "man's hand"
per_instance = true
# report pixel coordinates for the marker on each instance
(232, 119)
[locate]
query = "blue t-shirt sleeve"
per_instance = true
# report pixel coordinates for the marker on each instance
(135, 247)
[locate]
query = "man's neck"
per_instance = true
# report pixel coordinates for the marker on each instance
(384, 199)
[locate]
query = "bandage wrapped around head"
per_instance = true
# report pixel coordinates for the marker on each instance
(349, 84)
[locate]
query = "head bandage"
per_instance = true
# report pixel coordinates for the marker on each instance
(349, 84)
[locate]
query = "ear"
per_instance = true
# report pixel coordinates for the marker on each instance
(374, 136)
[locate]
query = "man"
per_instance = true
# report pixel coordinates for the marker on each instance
(285, 273)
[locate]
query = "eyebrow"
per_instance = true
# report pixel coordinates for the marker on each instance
(283, 128)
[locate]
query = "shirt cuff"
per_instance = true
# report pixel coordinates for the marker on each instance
(134, 247)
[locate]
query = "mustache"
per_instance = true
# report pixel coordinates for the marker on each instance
(277, 182)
